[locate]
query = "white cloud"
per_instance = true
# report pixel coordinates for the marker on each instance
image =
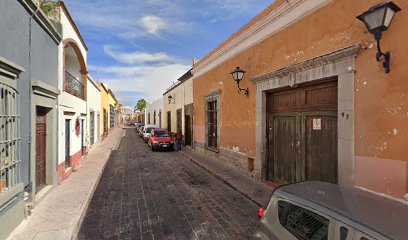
(150, 80)
(136, 57)
(152, 24)
(147, 73)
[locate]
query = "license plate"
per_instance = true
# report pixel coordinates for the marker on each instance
(164, 145)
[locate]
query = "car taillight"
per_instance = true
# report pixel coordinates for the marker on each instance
(261, 213)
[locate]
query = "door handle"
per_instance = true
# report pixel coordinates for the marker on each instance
(298, 144)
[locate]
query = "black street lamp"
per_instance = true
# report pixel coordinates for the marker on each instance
(377, 20)
(238, 75)
(170, 98)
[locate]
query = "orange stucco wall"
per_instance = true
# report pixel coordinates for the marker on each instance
(381, 100)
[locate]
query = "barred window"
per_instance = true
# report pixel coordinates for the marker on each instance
(179, 119)
(9, 137)
(112, 116)
(212, 124)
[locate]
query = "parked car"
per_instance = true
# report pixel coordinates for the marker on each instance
(138, 126)
(140, 130)
(146, 131)
(317, 210)
(160, 139)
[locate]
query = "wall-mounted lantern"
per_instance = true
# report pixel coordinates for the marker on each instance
(377, 20)
(238, 75)
(171, 99)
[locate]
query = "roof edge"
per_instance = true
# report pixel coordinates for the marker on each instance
(71, 20)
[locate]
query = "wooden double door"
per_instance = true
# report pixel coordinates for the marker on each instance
(302, 134)
(40, 149)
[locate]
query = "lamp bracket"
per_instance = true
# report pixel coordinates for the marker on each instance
(246, 91)
(381, 56)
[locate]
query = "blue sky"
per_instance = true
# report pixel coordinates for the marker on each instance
(141, 47)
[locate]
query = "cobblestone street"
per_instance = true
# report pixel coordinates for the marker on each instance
(159, 195)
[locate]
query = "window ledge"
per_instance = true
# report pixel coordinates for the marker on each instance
(12, 193)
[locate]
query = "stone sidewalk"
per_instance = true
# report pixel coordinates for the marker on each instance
(60, 213)
(258, 192)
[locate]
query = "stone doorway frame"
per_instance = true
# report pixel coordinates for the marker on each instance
(339, 63)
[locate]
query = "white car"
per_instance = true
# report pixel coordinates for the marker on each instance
(325, 211)
(146, 131)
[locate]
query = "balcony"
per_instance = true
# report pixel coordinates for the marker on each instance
(73, 86)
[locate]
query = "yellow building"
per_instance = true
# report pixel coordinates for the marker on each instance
(104, 109)
(113, 109)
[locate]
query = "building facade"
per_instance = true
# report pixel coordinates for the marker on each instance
(93, 124)
(28, 113)
(178, 108)
(113, 109)
(320, 107)
(72, 107)
(154, 113)
(104, 110)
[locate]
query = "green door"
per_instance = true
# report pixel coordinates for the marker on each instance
(302, 133)
(282, 136)
(321, 147)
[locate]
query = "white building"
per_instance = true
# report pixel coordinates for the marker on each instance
(154, 113)
(72, 101)
(179, 109)
(93, 113)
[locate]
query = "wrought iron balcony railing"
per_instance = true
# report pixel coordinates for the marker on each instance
(73, 86)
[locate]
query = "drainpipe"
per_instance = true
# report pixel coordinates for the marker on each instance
(30, 92)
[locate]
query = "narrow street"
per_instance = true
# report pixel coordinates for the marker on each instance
(160, 195)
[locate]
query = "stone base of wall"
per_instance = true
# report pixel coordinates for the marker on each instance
(11, 218)
(74, 161)
(235, 160)
(61, 172)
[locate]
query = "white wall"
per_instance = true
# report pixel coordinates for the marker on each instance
(78, 107)
(158, 107)
(71, 105)
(93, 105)
(182, 95)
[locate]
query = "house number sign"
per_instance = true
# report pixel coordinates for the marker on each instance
(317, 124)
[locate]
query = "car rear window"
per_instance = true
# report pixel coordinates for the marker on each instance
(302, 223)
(161, 134)
(148, 130)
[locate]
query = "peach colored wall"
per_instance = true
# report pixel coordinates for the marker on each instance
(393, 174)
(381, 100)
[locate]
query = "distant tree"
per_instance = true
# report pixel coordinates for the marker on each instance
(141, 104)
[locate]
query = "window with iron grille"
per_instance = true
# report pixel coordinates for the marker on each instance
(179, 113)
(212, 124)
(112, 116)
(160, 117)
(169, 121)
(302, 223)
(9, 136)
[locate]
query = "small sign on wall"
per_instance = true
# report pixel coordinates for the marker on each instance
(317, 124)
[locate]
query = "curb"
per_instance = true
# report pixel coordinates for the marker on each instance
(75, 231)
(219, 177)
